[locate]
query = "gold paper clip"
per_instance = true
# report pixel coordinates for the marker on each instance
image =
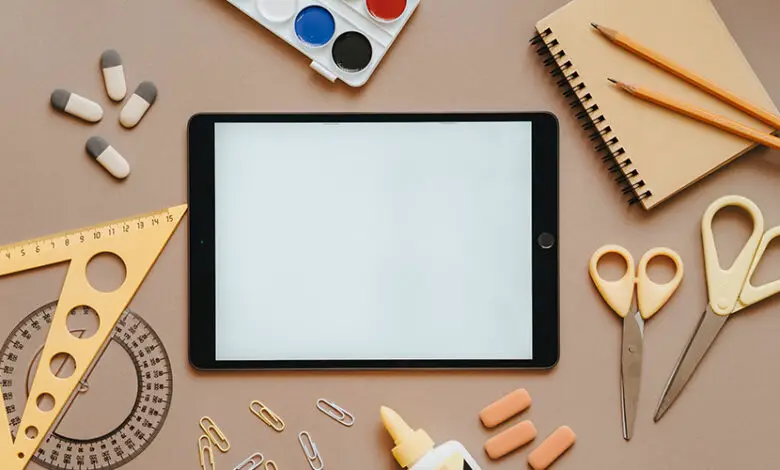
(269, 417)
(336, 412)
(215, 435)
(253, 461)
(271, 465)
(203, 450)
(310, 449)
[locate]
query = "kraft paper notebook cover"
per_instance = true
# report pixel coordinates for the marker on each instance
(653, 152)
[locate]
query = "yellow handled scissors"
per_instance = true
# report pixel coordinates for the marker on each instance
(729, 291)
(650, 297)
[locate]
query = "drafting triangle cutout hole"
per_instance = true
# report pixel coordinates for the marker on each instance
(137, 242)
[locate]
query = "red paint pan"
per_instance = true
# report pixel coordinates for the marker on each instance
(386, 10)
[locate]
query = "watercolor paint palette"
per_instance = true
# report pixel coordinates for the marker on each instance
(345, 39)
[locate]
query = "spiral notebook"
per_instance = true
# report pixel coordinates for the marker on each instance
(653, 152)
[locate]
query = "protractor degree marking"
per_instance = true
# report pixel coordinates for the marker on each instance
(142, 423)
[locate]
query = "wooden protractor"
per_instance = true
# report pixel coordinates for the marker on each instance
(137, 242)
(120, 405)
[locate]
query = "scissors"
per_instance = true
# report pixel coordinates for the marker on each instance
(729, 291)
(650, 297)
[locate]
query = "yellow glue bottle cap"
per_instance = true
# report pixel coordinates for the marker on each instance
(410, 445)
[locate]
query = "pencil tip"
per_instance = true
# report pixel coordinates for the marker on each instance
(595, 25)
(612, 80)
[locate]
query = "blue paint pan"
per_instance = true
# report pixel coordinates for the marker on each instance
(315, 26)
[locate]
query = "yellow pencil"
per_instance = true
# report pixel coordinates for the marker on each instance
(699, 114)
(696, 80)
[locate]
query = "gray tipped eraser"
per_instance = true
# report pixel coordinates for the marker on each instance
(96, 146)
(76, 105)
(59, 99)
(147, 91)
(110, 58)
(108, 157)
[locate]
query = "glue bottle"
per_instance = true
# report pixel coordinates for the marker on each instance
(415, 449)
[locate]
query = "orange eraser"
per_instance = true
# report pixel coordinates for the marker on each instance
(504, 408)
(513, 438)
(553, 447)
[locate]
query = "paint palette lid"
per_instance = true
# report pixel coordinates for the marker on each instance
(346, 39)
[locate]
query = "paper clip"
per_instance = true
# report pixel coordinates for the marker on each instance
(336, 412)
(271, 465)
(203, 450)
(269, 417)
(310, 449)
(254, 461)
(215, 435)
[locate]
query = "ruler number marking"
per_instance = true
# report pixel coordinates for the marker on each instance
(98, 233)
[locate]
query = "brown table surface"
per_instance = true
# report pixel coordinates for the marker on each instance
(455, 55)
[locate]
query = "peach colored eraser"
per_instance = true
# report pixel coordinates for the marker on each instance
(513, 438)
(504, 408)
(553, 447)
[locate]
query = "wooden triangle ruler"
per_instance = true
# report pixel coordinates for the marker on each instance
(137, 241)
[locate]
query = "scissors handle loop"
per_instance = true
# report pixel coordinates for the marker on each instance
(750, 293)
(618, 294)
(725, 285)
(651, 296)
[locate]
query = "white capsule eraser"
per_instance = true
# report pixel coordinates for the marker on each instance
(76, 105)
(138, 104)
(113, 75)
(108, 157)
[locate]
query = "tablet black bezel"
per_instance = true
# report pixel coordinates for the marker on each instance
(202, 320)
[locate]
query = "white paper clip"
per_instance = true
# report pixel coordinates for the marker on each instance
(252, 462)
(310, 449)
(336, 412)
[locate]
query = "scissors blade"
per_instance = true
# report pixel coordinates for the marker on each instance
(705, 333)
(631, 370)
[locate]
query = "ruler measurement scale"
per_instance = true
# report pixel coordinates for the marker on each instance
(60, 245)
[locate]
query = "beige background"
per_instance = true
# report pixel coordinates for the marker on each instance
(454, 56)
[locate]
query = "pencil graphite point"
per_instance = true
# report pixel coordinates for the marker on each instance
(623, 86)
(608, 33)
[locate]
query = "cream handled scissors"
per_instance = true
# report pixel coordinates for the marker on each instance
(650, 297)
(729, 291)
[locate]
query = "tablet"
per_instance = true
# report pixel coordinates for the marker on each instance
(373, 241)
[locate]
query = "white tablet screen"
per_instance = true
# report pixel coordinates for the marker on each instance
(373, 241)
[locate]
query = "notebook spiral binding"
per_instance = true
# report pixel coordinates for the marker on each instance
(587, 111)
